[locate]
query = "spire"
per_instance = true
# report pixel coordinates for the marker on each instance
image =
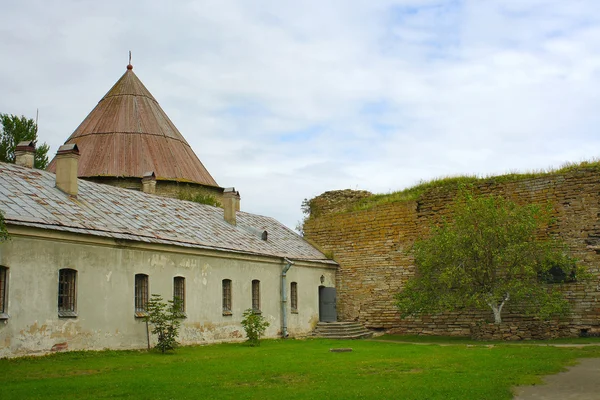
(128, 134)
(129, 66)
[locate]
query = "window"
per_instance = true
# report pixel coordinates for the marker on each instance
(67, 293)
(141, 295)
(3, 292)
(256, 296)
(226, 296)
(179, 291)
(294, 296)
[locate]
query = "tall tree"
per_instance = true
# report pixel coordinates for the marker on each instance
(15, 129)
(490, 252)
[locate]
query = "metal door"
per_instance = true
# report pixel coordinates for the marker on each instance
(327, 304)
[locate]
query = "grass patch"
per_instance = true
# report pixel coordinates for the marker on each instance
(288, 369)
(453, 182)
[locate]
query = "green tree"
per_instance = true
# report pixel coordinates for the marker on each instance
(490, 252)
(166, 321)
(15, 129)
(3, 230)
(255, 325)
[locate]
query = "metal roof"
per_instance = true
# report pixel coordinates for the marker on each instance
(128, 134)
(28, 197)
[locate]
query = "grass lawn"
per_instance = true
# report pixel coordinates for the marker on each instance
(291, 369)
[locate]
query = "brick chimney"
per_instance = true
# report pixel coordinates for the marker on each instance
(149, 183)
(231, 204)
(25, 153)
(66, 168)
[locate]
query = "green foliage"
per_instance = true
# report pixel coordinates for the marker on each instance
(166, 320)
(196, 197)
(453, 183)
(15, 129)
(305, 206)
(255, 325)
(290, 369)
(490, 252)
(3, 230)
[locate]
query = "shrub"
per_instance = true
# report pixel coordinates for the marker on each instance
(255, 325)
(166, 319)
(201, 198)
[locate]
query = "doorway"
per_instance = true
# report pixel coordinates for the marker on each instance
(327, 304)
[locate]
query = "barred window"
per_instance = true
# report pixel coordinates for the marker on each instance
(294, 296)
(226, 296)
(256, 295)
(141, 295)
(179, 291)
(67, 293)
(3, 292)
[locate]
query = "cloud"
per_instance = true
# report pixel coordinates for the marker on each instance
(286, 100)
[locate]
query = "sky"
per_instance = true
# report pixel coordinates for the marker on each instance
(286, 100)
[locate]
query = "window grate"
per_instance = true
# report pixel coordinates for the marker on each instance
(294, 296)
(141, 295)
(256, 295)
(67, 280)
(3, 291)
(179, 291)
(227, 296)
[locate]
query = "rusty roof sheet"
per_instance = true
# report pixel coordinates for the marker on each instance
(28, 197)
(128, 134)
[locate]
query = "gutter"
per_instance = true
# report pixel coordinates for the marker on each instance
(284, 332)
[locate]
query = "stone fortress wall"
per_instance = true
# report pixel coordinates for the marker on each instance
(372, 243)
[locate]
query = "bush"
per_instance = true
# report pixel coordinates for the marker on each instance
(255, 325)
(166, 319)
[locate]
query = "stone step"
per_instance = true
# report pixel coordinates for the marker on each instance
(341, 330)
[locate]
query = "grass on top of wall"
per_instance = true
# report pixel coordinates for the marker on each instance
(453, 182)
(290, 369)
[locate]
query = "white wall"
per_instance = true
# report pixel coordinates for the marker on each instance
(105, 291)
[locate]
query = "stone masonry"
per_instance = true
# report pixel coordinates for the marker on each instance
(372, 247)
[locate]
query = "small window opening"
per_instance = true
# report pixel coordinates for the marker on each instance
(3, 292)
(256, 296)
(67, 293)
(141, 295)
(179, 292)
(227, 297)
(294, 297)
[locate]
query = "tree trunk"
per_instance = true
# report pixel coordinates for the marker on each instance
(497, 308)
(497, 314)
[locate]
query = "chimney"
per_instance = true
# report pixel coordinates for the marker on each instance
(231, 204)
(25, 153)
(66, 168)
(149, 183)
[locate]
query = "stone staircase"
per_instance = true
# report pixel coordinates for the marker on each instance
(341, 330)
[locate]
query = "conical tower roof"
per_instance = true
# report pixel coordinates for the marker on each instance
(128, 134)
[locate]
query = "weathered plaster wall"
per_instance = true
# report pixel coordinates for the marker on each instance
(371, 247)
(105, 292)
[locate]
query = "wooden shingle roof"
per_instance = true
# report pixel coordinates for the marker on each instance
(128, 134)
